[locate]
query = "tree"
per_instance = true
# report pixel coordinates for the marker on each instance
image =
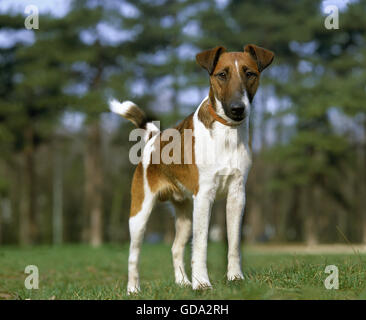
(30, 105)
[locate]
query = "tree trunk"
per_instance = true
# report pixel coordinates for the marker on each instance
(282, 215)
(93, 229)
(169, 229)
(255, 223)
(1, 214)
(115, 225)
(363, 186)
(57, 208)
(310, 225)
(28, 219)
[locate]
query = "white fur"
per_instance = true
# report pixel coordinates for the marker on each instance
(137, 223)
(246, 101)
(225, 177)
(234, 216)
(148, 150)
(137, 226)
(237, 67)
(120, 108)
(183, 227)
(151, 127)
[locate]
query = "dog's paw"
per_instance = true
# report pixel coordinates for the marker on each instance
(235, 276)
(183, 282)
(133, 290)
(203, 284)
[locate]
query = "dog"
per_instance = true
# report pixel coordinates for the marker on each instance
(220, 123)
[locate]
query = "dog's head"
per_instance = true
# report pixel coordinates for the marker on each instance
(234, 77)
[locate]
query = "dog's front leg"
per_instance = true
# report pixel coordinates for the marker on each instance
(234, 214)
(201, 219)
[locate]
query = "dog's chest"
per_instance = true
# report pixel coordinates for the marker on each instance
(222, 155)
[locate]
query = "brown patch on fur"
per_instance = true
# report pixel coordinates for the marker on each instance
(205, 116)
(208, 59)
(136, 116)
(167, 178)
(137, 190)
(262, 56)
(235, 65)
(235, 83)
(213, 113)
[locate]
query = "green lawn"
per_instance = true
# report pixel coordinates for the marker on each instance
(81, 272)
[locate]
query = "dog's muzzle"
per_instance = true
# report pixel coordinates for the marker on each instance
(237, 110)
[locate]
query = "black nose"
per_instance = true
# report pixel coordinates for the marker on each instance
(237, 109)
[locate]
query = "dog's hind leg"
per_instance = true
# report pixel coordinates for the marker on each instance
(142, 202)
(183, 231)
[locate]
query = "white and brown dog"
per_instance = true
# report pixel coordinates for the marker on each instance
(220, 126)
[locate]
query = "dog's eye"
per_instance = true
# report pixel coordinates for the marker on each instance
(250, 74)
(221, 75)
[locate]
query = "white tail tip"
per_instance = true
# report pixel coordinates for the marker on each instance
(120, 108)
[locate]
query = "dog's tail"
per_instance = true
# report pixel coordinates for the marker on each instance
(133, 113)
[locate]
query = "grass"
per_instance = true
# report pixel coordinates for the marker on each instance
(81, 272)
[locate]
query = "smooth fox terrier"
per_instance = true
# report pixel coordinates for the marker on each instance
(220, 123)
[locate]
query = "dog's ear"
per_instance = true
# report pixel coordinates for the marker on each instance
(262, 56)
(208, 59)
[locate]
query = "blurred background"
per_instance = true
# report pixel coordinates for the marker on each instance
(64, 168)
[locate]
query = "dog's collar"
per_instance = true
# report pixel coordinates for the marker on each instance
(213, 113)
